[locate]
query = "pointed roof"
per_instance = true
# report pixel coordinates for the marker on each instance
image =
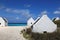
(42, 13)
(44, 24)
(4, 19)
(44, 17)
(57, 18)
(35, 22)
(1, 19)
(31, 19)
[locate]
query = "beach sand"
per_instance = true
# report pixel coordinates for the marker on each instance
(11, 33)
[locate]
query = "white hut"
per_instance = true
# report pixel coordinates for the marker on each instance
(3, 22)
(30, 21)
(44, 24)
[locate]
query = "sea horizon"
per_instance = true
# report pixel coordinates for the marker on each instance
(17, 24)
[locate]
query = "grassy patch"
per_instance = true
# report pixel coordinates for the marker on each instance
(57, 22)
(37, 36)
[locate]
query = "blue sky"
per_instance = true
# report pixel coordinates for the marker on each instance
(19, 11)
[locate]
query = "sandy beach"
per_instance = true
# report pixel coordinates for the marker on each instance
(11, 33)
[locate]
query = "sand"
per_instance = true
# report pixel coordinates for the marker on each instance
(11, 33)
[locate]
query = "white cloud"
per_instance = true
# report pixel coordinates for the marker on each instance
(19, 11)
(23, 12)
(27, 5)
(16, 11)
(44, 12)
(8, 10)
(26, 13)
(17, 18)
(56, 12)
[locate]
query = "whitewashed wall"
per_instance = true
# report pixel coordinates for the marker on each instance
(30, 21)
(2, 22)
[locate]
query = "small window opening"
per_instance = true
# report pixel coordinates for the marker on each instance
(31, 22)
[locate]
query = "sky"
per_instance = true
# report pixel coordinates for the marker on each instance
(19, 11)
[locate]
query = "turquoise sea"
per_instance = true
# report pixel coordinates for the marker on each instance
(17, 24)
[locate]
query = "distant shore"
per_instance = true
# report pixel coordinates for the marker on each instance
(17, 24)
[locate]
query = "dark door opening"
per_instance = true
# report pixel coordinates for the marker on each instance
(0, 23)
(45, 32)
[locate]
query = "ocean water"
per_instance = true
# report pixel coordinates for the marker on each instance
(17, 24)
